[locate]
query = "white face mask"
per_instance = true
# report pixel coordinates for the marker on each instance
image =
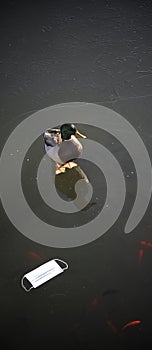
(43, 273)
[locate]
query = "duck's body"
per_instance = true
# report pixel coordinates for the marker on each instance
(62, 145)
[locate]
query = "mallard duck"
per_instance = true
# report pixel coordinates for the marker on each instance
(62, 146)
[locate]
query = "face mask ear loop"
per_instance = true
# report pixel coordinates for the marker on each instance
(66, 265)
(22, 284)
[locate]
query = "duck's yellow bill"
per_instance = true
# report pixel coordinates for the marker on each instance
(80, 136)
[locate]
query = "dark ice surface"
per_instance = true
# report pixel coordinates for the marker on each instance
(91, 51)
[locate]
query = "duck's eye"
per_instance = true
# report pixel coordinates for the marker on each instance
(73, 129)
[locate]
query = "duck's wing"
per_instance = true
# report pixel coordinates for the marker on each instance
(52, 137)
(70, 150)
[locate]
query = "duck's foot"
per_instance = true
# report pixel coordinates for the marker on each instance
(70, 165)
(58, 166)
(62, 168)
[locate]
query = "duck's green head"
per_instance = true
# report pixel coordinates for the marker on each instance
(67, 130)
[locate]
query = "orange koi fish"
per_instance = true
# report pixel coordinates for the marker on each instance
(132, 323)
(146, 244)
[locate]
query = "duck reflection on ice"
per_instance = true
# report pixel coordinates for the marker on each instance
(65, 182)
(72, 184)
